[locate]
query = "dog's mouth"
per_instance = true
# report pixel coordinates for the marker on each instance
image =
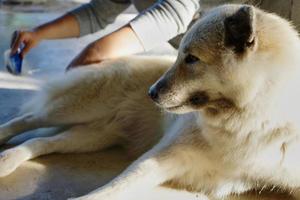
(173, 108)
(196, 101)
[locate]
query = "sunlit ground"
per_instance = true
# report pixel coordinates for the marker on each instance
(59, 176)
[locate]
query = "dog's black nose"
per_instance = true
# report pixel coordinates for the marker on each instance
(153, 94)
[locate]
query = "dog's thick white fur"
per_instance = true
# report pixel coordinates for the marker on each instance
(226, 117)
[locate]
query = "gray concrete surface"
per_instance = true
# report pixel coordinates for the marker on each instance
(56, 177)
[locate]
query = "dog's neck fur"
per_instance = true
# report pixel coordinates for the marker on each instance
(271, 117)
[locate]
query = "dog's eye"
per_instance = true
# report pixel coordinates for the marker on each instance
(190, 59)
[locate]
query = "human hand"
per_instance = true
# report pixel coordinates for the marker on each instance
(29, 38)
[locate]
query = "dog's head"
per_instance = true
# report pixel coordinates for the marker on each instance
(223, 61)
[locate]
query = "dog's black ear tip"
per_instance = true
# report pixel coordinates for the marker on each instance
(244, 15)
(247, 10)
(240, 28)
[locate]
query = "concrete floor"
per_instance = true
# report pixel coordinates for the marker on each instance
(56, 177)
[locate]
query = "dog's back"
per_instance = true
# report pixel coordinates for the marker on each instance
(112, 93)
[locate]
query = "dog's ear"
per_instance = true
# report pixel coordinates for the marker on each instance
(240, 29)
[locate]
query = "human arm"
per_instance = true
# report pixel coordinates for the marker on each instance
(119, 43)
(158, 24)
(81, 21)
(63, 27)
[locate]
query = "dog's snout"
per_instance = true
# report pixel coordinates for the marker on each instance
(156, 90)
(153, 93)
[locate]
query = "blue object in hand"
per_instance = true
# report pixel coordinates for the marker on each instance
(14, 63)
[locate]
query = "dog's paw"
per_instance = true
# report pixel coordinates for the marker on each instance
(10, 160)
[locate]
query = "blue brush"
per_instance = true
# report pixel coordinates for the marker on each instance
(13, 62)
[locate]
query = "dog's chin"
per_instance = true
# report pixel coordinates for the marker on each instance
(185, 107)
(179, 109)
(175, 109)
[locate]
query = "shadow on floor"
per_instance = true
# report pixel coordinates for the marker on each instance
(57, 177)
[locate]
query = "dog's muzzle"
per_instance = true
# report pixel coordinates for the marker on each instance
(157, 89)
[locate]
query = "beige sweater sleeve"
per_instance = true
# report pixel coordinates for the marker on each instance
(163, 21)
(97, 14)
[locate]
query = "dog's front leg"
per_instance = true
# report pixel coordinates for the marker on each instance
(151, 170)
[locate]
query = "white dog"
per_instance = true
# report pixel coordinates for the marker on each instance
(234, 92)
